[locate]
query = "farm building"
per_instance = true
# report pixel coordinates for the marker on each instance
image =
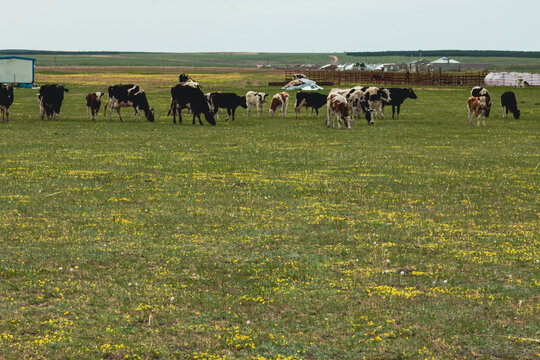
(16, 69)
(417, 65)
(445, 64)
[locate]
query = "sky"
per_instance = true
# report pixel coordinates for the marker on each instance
(270, 26)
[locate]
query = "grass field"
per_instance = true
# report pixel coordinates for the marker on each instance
(268, 238)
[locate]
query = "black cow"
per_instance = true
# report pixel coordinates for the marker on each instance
(309, 100)
(6, 99)
(50, 98)
(184, 94)
(397, 97)
(509, 103)
(229, 101)
(129, 95)
(478, 91)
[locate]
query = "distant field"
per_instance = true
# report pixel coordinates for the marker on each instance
(268, 238)
(250, 60)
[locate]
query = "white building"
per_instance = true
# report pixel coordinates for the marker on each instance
(445, 64)
(17, 69)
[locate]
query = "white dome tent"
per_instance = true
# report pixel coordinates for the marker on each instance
(511, 79)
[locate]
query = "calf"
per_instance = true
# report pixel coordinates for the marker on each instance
(93, 103)
(397, 97)
(50, 98)
(338, 106)
(6, 99)
(280, 100)
(182, 95)
(229, 101)
(129, 95)
(256, 99)
(478, 106)
(309, 100)
(509, 103)
(478, 91)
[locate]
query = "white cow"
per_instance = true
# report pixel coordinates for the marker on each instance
(256, 99)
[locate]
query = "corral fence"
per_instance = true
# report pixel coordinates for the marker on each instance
(390, 78)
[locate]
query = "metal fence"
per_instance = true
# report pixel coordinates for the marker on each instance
(391, 78)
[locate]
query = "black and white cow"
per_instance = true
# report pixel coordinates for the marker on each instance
(397, 97)
(6, 99)
(129, 96)
(509, 103)
(229, 101)
(184, 94)
(256, 99)
(478, 91)
(309, 100)
(50, 98)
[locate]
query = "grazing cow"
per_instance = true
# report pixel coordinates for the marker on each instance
(309, 100)
(359, 103)
(397, 97)
(509, 103)
(185, 94)
(362, 99)
(338, 107)
(6, 99)
(478, 106)
(478, 91)
(280, 100)
(50, 98)
(229, 101)
(376, 97)
(256, 99)
(93, 103)
(129, 95)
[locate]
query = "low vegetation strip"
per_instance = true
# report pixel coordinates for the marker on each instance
(268, 238)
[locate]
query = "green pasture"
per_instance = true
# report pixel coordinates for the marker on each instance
(268, 238)
(274, 60)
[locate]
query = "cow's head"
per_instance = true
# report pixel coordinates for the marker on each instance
(209, 116)
(99, 95)
(243, 102)
(516, 114)
(150, 114)
(411, 94)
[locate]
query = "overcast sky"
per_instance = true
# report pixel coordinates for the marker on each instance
(270, 26)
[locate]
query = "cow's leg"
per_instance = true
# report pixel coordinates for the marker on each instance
(328, 116)
(248, 110)
(88, 112)
(193, 123)
(233, 110)
(316, 112)
(398, 111)
(119, 115)
(199, 117)
(381, 109)
(228, 114)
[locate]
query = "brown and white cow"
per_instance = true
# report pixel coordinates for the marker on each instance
(280, 100)
(478, 106)
(338, 106)
(256, 99)
(93, 103)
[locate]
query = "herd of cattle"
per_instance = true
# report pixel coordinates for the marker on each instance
(342, 104)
